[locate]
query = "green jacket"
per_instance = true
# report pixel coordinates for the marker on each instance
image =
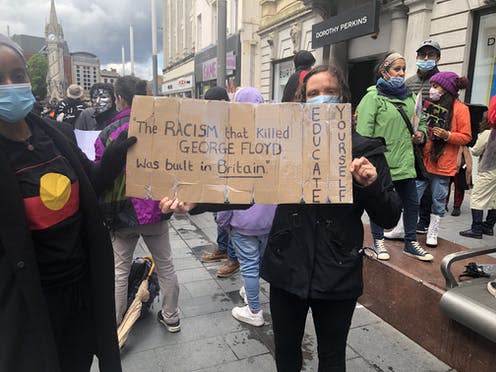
(377, 116)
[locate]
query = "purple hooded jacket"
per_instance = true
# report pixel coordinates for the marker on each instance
(254, 221)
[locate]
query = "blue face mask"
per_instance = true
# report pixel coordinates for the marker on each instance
(16, 100)
(396, 82)
(426, 65)
(323, 99)
(392, 83)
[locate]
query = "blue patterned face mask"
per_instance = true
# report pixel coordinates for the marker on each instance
(396, 82)
(323, 99)
(426, 65)
(16, 100)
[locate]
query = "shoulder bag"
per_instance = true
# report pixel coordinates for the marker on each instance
(417, 152)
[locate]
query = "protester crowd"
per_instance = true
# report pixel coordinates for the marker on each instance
(69, 232)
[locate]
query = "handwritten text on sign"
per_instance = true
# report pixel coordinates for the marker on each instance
(215, 151)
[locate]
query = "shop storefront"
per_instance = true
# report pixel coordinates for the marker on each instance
(482, 71)
(206, 67)
(180, 87)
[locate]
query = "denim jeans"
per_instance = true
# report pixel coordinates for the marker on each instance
(439, 187)
(407, 192)
(249, 250)
(224, 243)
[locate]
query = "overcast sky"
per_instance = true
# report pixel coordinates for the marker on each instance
(96, 26)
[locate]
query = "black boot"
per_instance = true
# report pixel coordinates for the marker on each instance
(488, 225)
(476, 230)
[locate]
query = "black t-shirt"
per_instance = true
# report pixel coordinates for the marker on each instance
(50, 189)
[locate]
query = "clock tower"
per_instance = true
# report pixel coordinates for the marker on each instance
(54, 35)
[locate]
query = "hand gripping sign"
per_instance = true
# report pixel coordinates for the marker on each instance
(223, 152)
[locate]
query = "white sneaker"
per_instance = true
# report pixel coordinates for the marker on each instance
(398, 233)
(394, 234)
(242, 294)
(244, 314)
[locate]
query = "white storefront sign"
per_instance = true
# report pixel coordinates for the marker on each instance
(181, 84)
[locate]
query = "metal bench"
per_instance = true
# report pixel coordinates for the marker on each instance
(468, 302)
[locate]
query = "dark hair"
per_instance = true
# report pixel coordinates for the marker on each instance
(128, 86)
(103, 86)
(217, 94)
(334, 70)
(447, 100)
(303, 60)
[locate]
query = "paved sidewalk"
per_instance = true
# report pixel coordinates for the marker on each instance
(212, 340)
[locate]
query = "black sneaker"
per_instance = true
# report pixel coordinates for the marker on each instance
(173, 327)
(413, 249)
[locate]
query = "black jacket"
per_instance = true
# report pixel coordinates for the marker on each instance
(27, 341)
(315, 251)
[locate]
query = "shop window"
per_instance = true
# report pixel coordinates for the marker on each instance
(282, 72)
(483, 58)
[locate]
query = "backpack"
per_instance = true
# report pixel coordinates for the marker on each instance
(140, 269)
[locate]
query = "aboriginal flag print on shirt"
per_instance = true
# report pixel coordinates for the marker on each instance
(50, 197)
(50, 190)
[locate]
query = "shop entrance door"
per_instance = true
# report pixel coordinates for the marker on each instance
(361, 76)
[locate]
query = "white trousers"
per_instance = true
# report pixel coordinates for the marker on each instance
(156, 237)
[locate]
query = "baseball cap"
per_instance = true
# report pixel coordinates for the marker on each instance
(431, 43)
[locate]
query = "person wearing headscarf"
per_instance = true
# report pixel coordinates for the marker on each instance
(378, 115)
(56, 263)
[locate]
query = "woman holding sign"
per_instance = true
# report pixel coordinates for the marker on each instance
(313, 257)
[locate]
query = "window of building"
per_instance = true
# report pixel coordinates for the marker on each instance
(198, 32)
(483, 58)
(282, 71)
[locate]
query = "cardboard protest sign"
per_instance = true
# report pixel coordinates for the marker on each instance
(222, 152)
